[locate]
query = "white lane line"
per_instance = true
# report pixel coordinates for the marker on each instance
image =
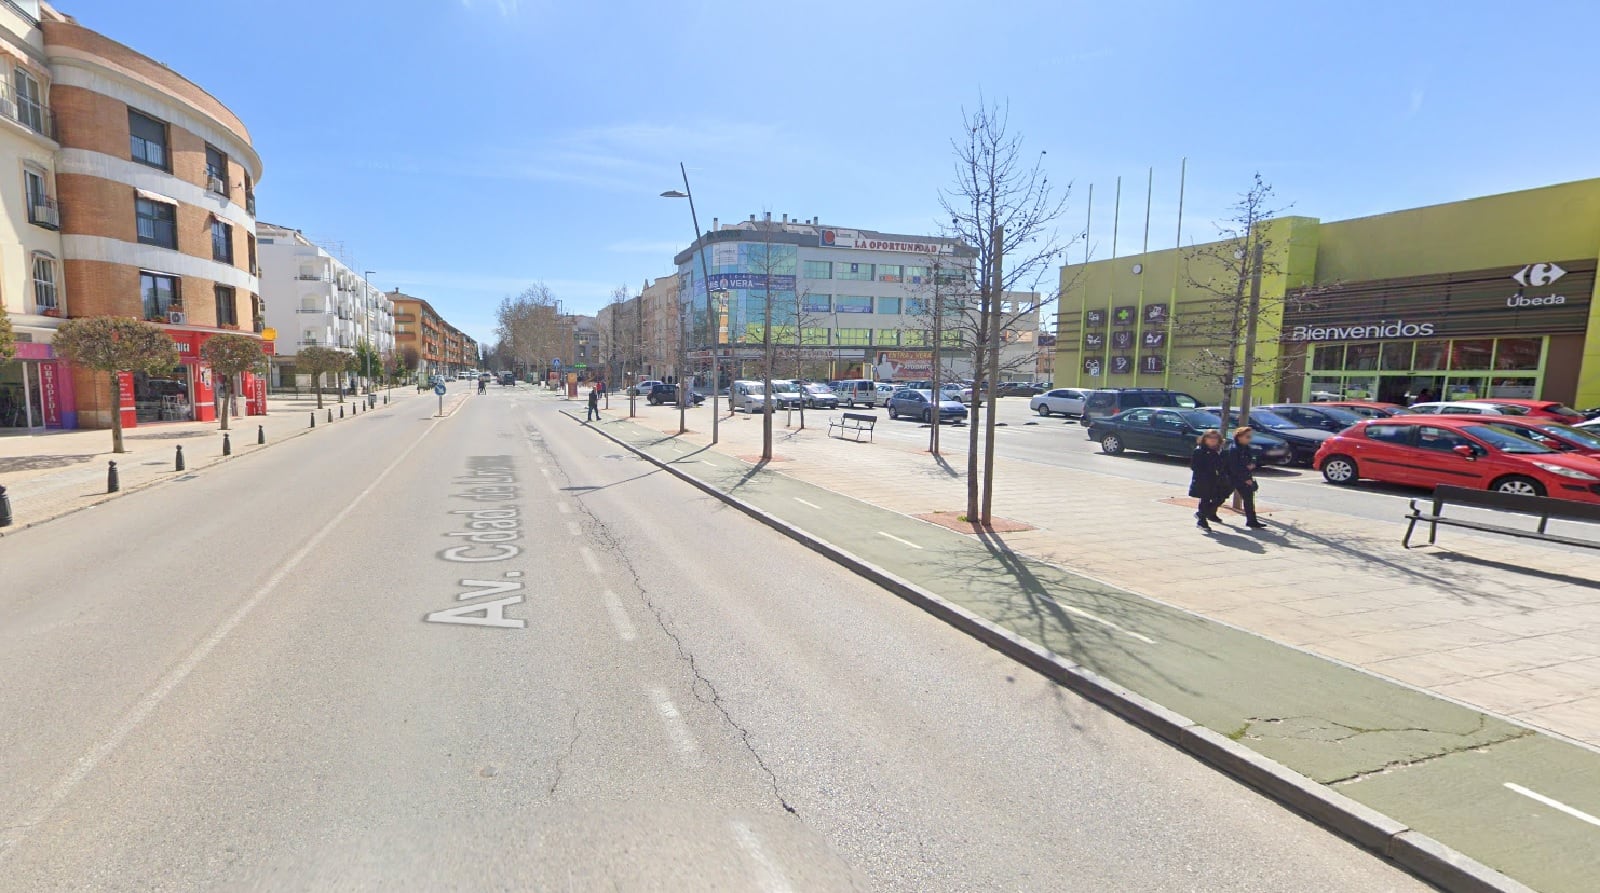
(589, 560)
(769, 877)
(673, 720)
(619, 617)
(899, 540)
(545, 472)
(812, 504)
(146, 705)
(1096, 618)
(574, 529)
(1553, 803)
(564, 507)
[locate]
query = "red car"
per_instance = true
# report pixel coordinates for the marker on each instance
(1426, 451)
(1370, 409)
(1555, 435)
(1538, 409)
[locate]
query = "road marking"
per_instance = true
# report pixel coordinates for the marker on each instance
(564, 507)
(814, 505)
(899, 540)
(589, 560)
(545, 472)
(146, 705)
(1578, 814)
(673, 720)
(769, 876)
(619, 617)
(1077, 611)
(574, 529)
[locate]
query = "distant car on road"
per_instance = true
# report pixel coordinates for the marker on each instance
(918, 403)
(508, 379)
(1061, 401)
(1173, 432)
(643, 388)
(668, 393)
(1019, 389)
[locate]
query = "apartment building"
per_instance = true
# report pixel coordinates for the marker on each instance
(662, 338)
(419, 327)
(314, 299)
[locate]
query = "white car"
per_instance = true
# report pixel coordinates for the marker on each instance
(882, 391)
(1591, 425)
(642, 389)
(1061, 401)
(1459, 407)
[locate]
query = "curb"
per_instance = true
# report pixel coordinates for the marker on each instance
(158, 482)
(1373, 831)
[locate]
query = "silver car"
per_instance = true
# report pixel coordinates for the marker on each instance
(1061, 401)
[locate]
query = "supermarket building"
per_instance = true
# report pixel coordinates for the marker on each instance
(1492, 296)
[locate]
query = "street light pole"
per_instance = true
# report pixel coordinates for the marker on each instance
(705, 279)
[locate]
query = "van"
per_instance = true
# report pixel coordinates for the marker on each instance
(857, 391)
(1110, 401)
(746, 396)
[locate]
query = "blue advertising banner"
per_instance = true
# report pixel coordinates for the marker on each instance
(757, 281)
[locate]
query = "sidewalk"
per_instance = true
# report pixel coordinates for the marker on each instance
(1116, 579)
(50, 475)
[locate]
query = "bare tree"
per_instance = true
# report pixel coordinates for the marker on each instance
(530, 326)
(1001, 203)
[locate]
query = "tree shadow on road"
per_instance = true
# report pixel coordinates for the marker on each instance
(39, 463)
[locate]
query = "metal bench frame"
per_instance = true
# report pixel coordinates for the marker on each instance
(1544, 508)
(856, 422)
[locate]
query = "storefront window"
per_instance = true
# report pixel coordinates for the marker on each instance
(1520, 388)
(855, 337)
(1471, 354)
(1328, 356)
(163, 398)
(1431, 354)
(1361, 357)
(19, 392)
(1517, 354)
(853, 272)
(917, 275)
(1327, 387)
(888, 272)
(1397, 356)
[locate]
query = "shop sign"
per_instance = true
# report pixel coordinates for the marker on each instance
(844, 238)
(904, 365)
(1122, 340)
(1152, 364)
(1374, 332)
(1124, 316)
(1521, 300)
(48, 373)
(1092, 367)
(1095, 319)
(1155, 313)
(1094, 340)
(1121, 365)
(756, 281)
(1155, 339)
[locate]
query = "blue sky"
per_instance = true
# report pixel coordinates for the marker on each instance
(465, 148)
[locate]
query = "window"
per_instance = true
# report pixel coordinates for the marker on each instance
(889, 306)
(1361, 357)
(30, 100)
(886, 337)
(221, 241)
(916, 306)
(41, 207)
(216, 170)
(854, 272)
(855, 337)
(814, 336)
(158, 222)
(1521, 354)
(852, 304)
(1441, 439)
(250, 241)
(1397, 356)
(915, 338)
(1471, 354)
(1395, 434)
(888, 272)
(147, 140)
(44, 282)
(817, 269)
(1431, 355)
(160, 295)
(917, 275)
(817, 303)
(1328, 356)
(227, 311)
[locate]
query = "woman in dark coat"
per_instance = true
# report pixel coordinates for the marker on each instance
(1209, 482)
(1240, 463)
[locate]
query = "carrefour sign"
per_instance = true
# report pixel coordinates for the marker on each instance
(845, 238)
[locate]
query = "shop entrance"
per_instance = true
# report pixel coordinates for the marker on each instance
(21, 403)
(1407, 372)
(167, 397)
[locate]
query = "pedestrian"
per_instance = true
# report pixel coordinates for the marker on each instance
(1240, 463)
(1209, 481)
(482, 385)
(605, 392)
(594, 405)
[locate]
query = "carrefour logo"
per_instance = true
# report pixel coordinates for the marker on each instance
(1369, 332)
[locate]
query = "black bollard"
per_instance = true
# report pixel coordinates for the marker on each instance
(5, 507)
(177, 464)
(386, 399)
(261, 434)
(341, 410)
(313, 420)
(227, 445)
(112, 484)
(330, 416)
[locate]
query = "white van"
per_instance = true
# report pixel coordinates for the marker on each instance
(746, 396)
(855, 391)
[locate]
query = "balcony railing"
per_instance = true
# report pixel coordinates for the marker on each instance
(28, 113)
(42, 211)
(313, 277)
(312, 310)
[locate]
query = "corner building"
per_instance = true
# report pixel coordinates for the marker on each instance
(156, 181)
(1488, 297)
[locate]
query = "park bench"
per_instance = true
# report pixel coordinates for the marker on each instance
(1543, 508)
(854, 423)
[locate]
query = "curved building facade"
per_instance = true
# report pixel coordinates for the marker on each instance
(156, 184)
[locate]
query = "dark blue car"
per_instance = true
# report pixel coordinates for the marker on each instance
(1173, 432)
(918, 404)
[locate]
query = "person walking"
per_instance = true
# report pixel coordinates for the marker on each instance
(605, 392)
(594, 405)
(1209, 479)
(1240, 464)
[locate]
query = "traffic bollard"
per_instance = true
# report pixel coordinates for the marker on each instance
(112, 484)
(330, 416)
(261, 434)
(177, 464)
(313, 420)
(5, 507)
(341, 410)
(227, 446)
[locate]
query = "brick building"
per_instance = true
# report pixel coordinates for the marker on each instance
(156, 185)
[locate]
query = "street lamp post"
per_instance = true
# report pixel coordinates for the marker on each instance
(705, 279)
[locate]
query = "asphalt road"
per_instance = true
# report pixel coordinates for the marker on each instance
(490, 652)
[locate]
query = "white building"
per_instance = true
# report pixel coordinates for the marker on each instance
(314, 300)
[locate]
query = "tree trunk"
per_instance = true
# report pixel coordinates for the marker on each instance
(316, 385)
(1251, 332)
(116, 413)
(992, 386)
(980, 356)
(223, 394)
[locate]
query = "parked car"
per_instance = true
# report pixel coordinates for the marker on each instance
(1466, 452)
(1555, 435)
(1019, 389)
(882, 392)
(856, 390)
(787, 394)
(643, 388)
(1110, 401)
(1591, 425)
(1314, 415)
(1368, 409)
(1061, 401)
(917, 403)
(486, 376)
(749, 396)
(1553, 410)
(818, 396)
(1173, 432)
(668, 393)
(1457, 407)
(1303, 442)
(508, 379)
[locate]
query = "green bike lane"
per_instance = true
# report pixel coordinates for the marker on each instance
(1517, 800)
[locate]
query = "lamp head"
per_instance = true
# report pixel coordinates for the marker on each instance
(673, 193)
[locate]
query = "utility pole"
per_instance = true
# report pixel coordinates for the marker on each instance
(997, 289)
(638, 348)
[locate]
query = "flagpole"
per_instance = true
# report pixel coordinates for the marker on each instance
(1177, 261)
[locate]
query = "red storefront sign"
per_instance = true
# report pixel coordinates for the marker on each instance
(130, 415)
(49, 391)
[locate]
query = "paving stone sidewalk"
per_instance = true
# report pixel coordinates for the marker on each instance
(1504, 625)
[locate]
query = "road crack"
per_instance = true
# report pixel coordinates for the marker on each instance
(1316, 728)
(564, 756)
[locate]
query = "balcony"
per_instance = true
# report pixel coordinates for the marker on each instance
(313, 276)
(27, 112)
(42, 211)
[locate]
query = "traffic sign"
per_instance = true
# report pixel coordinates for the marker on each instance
(438, 388)
(555, 363)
